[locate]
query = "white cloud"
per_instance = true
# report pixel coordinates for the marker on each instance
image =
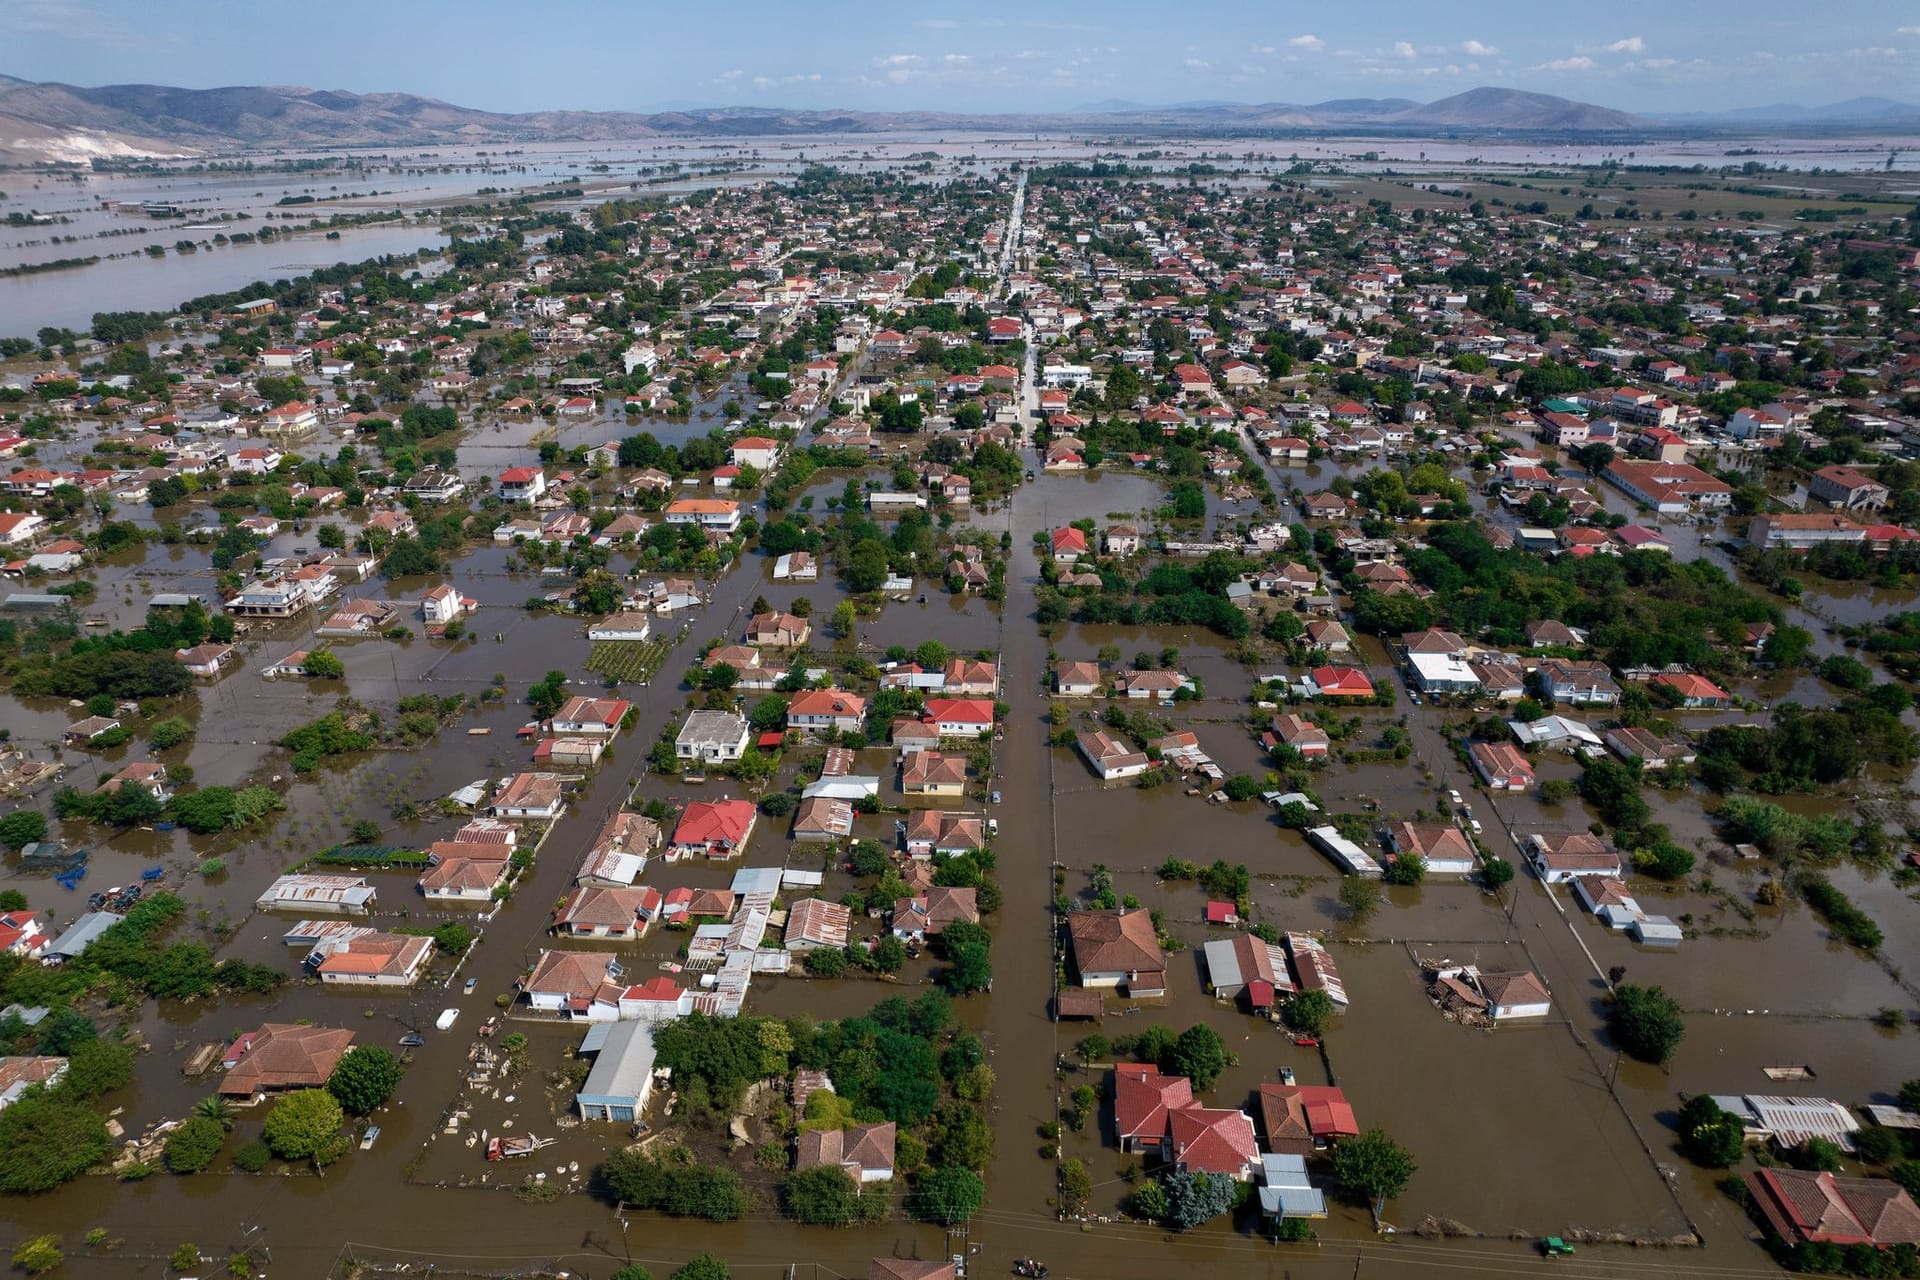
(1307, 42)
(1402, 49)
(764, 83)
(1659, 64)
(1262, 50)
(1578, 63)
(1632, 44)
(1907, 31)
(71, 20)
(956, 59)
(900, 60)
(1474, 48)
(1198, 64)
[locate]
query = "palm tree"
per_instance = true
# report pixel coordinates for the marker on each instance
(215, 1108)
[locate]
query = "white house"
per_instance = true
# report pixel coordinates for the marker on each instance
(442, 604)
(621, 626)
(712, 737)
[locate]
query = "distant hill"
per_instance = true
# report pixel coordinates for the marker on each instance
(1518, 109)
(40, 121)
(1869, 113)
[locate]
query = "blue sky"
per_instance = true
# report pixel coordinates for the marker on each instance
(1637, 55)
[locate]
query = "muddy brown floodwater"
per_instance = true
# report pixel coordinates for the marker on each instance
(1536, 1130)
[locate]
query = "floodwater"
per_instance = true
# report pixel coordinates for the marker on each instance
(1534, 1130)
(69, 298)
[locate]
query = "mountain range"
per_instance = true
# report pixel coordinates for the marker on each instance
(50, 121)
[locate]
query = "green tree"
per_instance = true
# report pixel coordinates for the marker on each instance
(1359, 896)
(38, 1254)
(944, 1195)
(170, 732)
(1818, 1155)
(324, 664)
(45, 1141)
(1076, 1187)
(1309, 1012)
(966, 947)
(1497, 872)
(703, 1267)
(96, 1067)
(843, 619)
(364, 1079)
(1198, 1054)
(22, 827)
(300, 1125)
(192, 1147)
(1149, 1201)
(1645, 1022)
(1373, 1167)
(825, 1195)
(215, 1108)
(632, 1271)
(1195, 1197)
(1709, 1136)
(1406, 868)
(867, 565)
(64, 1031)
(1786, 647)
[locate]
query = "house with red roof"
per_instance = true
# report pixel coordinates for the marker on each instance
(521, 484)
(826, 711)
(1340, 682)
(713, 829)
(1212, 1140)
(1192, 377)
(1822, 1208)
(21, 934)
(600, 717)
(959, 717)
(1068, 544)
(1848, 488)
(1696, 692)
(1500, 765)
(1300, 1119)
(1143, 1098)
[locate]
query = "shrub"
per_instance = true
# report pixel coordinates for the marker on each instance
(41, 1253)
(252, 1157)
(1846, 920)
(192, 1146)
(826, 962)
(1664, 860)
